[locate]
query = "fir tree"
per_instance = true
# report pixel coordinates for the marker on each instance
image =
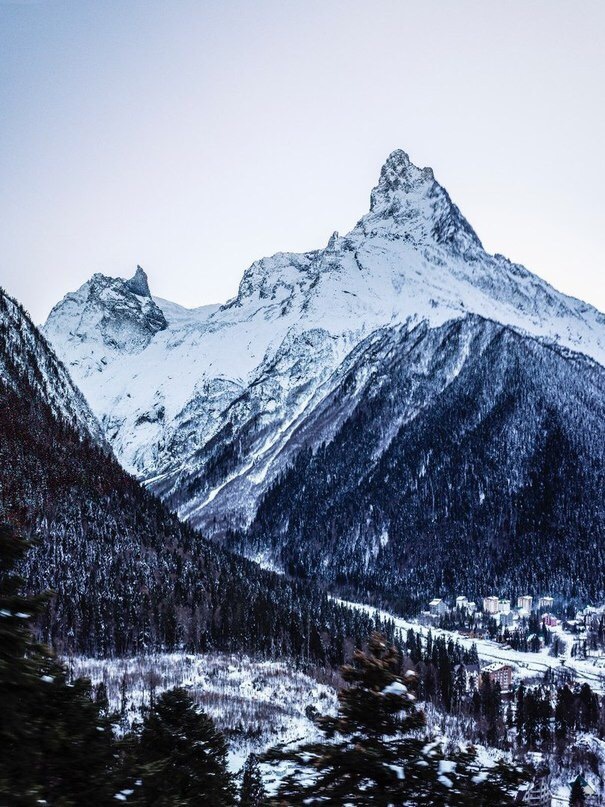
(376, 752)
(22, 664)
(564, 713)
(181, 756)
(253, 793)
(57, 748)
(577, 797)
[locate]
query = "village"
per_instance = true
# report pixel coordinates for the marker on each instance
(530, 626)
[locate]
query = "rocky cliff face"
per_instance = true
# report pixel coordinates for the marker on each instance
(210, 405)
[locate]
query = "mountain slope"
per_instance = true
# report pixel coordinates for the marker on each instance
(25, 357)
(128, 575)
(468, 459)
(204, 407)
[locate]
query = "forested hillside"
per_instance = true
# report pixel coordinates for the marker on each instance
(128, 575)
(467, 459)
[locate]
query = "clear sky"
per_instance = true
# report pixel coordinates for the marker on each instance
(195, 137)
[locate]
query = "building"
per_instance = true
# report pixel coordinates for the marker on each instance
(472, 674)
(437, 607)
(525, 602)
(507, 618)
(500, 674)
(491, 605)
(463, 604)
(536, 793)
(504, 606)
(550, 620)
(545, 602)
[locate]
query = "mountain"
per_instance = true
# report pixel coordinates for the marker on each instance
(26, 358)
(202, 403)
(127, 575)
(465, 458)
(343, 358)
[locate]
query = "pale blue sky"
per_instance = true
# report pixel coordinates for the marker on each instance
(194, 137)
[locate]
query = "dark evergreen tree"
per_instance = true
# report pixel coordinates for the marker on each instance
(375, 752)
(564, 713)
(252, 793)
(491, 710)
(577, 797)
(181, 756)
(588, 707)
(57, 747)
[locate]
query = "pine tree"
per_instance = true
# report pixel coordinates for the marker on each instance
(56, 746)
(22, 662)
(181, 756)
(491, 707)
(376, 752)
(253, 793)
(577, 797)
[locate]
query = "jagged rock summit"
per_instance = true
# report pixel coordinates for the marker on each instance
(208, 405)
(138, 283)
(120, 314)
(412, 199)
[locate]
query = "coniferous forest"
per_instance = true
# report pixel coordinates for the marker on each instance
(59, 746)
(127, 576)
(432, 489)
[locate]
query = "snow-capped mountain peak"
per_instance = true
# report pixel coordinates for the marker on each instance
(412, 199)
(399, 177)
(204, 402)
(118, 316)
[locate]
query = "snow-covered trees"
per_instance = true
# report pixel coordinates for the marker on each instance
(376, 751)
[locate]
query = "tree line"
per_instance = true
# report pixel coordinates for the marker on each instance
(59, 747)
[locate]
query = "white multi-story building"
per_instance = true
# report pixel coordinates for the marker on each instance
(463, 604)
(506, 618)
(545, 602)
(504, 606)
(437, 607)
(535, 793)
(491, 605)
(525, 602)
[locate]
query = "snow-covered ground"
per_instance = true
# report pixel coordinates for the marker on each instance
(257, 704)
(526, 665)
